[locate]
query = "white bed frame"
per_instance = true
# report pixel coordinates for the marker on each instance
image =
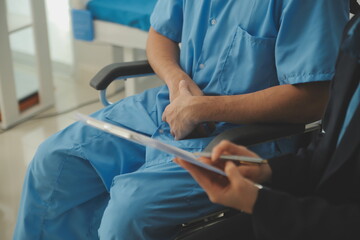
(113, 43)
(9, 105)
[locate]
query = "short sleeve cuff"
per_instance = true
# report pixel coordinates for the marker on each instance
(306, 50)
(167, 19)
(306, 78)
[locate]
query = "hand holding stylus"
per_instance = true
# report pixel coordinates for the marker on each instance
(240, 187)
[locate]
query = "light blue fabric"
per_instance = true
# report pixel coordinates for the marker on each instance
(67, 183)
(253, 44)
(131, 13)
(250, 46)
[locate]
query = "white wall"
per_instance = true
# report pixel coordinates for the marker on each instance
(60, 35)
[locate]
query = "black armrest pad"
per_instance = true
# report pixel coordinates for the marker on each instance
(127, 69)
(257, 133)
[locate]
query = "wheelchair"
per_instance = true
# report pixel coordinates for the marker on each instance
(223, 224)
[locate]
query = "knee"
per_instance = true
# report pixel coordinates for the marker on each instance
(59, 146)
(126, 217)
(49, 158)
(45, 159)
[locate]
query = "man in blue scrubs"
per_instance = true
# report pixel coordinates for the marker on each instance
(240, 62)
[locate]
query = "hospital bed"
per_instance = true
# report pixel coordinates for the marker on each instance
(216, 225)
(107, 31)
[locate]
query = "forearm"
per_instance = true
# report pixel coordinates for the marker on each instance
(301, 103)
(163, 55)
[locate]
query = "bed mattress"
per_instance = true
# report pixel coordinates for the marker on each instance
(132, 13)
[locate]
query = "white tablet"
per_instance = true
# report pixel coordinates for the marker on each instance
(145, 140)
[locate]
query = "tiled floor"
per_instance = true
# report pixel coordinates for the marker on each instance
(18, 145)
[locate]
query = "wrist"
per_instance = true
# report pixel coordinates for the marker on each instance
(266, 174)
(173, 78)
(208, 108)
(199, 109)
(173, 85)
(252, 194)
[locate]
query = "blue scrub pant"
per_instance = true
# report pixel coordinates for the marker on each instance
(84, 183)
(66, 189)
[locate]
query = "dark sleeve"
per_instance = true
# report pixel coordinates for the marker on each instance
(291, 173)
(279, 215)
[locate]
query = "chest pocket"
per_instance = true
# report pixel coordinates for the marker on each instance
(249, 64)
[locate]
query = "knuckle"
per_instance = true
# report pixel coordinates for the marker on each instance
(246, 172)
(225, 142)
(214, 198)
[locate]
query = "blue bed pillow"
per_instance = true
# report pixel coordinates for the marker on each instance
(132, 13)
(82, 25)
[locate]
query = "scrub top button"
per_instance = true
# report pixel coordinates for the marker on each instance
(202, 66)
(213, 21)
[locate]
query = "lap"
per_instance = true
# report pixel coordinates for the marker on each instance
(156, 200)
(107, 154)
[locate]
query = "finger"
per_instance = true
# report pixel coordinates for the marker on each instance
(226, 147)
(189, 166)
(222, 147)
(163, 117)
(201, 175)
(233, 174)
(181, 162)
(206, 160)
(177, 135)
(249, 171)
(219, 164)
(183, 132)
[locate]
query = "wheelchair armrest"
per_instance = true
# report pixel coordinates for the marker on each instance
(252, 134)
(120, 71)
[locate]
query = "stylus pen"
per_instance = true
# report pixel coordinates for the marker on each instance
(239, 159)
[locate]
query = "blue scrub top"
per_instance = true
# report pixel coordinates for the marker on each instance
(234, 47)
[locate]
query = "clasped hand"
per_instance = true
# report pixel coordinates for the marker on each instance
(180, 114)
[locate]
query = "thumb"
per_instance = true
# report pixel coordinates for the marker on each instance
(184, 88)
(232, 172)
